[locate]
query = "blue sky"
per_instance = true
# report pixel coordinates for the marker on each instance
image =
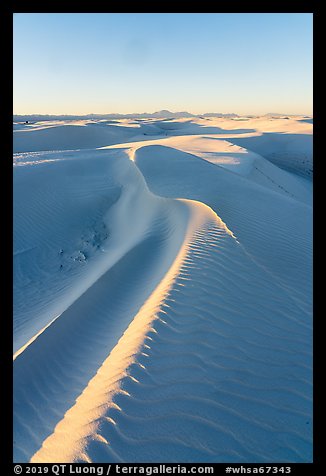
(103, 63)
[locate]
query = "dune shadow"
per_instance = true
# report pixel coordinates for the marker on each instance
(269, 142)
(309, 121)
(291, 152)
(191, 127)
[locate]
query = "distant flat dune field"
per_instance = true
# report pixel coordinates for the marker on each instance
(163, 290)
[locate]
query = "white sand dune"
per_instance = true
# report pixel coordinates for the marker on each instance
(75, 135)
(162, 291)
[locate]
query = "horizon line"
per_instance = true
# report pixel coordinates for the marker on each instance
(160, 111)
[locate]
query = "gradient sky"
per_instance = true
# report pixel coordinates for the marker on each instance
(80, 63)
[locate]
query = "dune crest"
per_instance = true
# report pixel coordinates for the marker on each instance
(80, 424)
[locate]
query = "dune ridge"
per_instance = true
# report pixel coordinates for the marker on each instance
(84, 417)
(154, 242)
(168, 353)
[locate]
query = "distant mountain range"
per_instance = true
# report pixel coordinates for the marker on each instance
(164, 114)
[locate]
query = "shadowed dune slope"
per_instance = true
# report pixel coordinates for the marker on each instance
(221, 375)
(276, 230)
